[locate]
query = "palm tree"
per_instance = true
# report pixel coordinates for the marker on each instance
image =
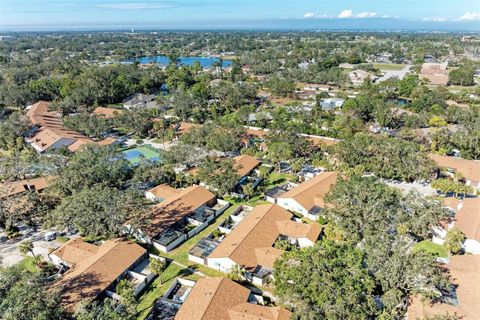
(27, 247)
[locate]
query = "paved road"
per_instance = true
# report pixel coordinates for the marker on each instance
(423, 189)
(9, 249)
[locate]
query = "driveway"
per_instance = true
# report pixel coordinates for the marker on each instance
(9, 249)
(400, 74)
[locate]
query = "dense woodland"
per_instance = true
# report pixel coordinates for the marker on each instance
(364, 268)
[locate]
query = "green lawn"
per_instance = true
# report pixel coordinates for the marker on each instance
(155, 290)
(389, 66)
(28, 264)
(276, 179)
(430, 247)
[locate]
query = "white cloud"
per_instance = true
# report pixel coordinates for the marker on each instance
(346, 14)
(314, 15)
(134, 6)
(434, 19)
(309, 15)
(366, 15)
(469, 16)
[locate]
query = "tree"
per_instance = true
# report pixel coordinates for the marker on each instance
(93, 165)
(218, 174)
(25, 295)
(157, 266)
(97, 211)
(248, 190)
(327, 281)
(26, 247)
(126, 292)
(451, 186)
(236, 273)
(279, 151)
(96, 310)
(454, 240)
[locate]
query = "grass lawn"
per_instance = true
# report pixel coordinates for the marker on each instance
(62, 239)
(276, 179)
(28, 264)
(430, 247)
(389, 66)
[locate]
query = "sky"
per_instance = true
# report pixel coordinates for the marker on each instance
(38, 15)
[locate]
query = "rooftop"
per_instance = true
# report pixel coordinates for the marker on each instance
(311, 193)
(251, 242)
(244, 164)
(224, 299)
(470, 169)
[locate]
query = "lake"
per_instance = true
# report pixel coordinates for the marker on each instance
(205, 62)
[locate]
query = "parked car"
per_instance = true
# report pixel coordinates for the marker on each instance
(50, 236)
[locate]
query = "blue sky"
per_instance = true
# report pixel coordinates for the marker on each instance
(239, 14)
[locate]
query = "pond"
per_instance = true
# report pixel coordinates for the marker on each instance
(205, 62)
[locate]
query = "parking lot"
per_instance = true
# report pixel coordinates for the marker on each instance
(9, 248)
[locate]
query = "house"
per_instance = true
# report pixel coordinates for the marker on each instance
(8, 189)
(332, 103)
(463, 300)
(468, 169)
(245, 164)
(435, 73)
(184, 127)
(307, 198)
(316, 87)
(251, 245)
(94, 270)
(358, 76)
(47, 132)
(466, 219)
(180, 214)
(140, 100)
(107, 112)
(215, 298)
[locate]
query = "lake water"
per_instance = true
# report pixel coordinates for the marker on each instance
(205, 62)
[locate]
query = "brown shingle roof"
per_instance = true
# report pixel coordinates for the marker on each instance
(177, 207)
(467, 218)
(465, 273)
(51, 128)
(224, 299)
(93, 275)
(244, 164)
(75, 250)
(470, 169)
(12, 188)
(107, 112)
(164, 191)
(311, 192)
(250, 243)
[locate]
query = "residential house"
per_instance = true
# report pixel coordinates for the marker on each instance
(435, 73)
(47, 132)
(307, 198)
(245, 164)
(107, 112)
(463, 300)
(468, 169)
(140, 100)
(466, 219)
(183, 127)
(251, 245)
(358, 76)
(94, 270)
(180, 214)
(213, 299)
(332, 103)
(8, 189)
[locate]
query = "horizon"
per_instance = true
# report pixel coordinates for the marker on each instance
(117, 15)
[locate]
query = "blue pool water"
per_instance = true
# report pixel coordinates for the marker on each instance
(205, 62)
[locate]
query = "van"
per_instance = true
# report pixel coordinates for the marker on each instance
(50, 235)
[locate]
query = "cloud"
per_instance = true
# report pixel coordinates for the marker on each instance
(366, 15)
(309, 15)
(314, 15)
(434, 19)
(134, 6)
(346, 14)
(469, 16)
